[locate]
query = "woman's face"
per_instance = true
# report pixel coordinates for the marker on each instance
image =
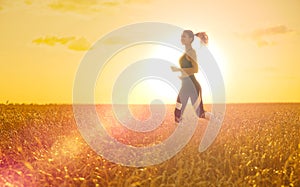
(185, 39)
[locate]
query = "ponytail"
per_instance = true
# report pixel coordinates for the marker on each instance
(203, 37)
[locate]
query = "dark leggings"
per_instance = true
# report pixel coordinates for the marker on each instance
(190, 88)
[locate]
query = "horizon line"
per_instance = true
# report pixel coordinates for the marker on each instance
(277, 102)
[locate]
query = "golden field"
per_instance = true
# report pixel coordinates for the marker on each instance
(258, 145)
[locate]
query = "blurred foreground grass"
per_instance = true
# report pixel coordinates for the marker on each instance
(258, 145)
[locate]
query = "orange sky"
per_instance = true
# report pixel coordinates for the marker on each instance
(254, 42)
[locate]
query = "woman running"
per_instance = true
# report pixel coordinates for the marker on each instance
(190, 87)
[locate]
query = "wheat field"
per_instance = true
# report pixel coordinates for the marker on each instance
(258, 145)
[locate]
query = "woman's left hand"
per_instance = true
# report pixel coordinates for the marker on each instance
(174, 68)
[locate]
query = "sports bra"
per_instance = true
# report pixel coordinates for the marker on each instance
(184, 62)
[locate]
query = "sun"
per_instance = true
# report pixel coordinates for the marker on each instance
(150, 90)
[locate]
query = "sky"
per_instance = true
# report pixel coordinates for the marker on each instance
(255, 44)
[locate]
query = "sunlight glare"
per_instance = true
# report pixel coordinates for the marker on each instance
(149, 90)
(167, 53)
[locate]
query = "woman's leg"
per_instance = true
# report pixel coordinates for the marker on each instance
(181, 102)
(198, 104)
(196, 99)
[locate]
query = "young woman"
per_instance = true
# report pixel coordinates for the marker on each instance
(190, 87)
